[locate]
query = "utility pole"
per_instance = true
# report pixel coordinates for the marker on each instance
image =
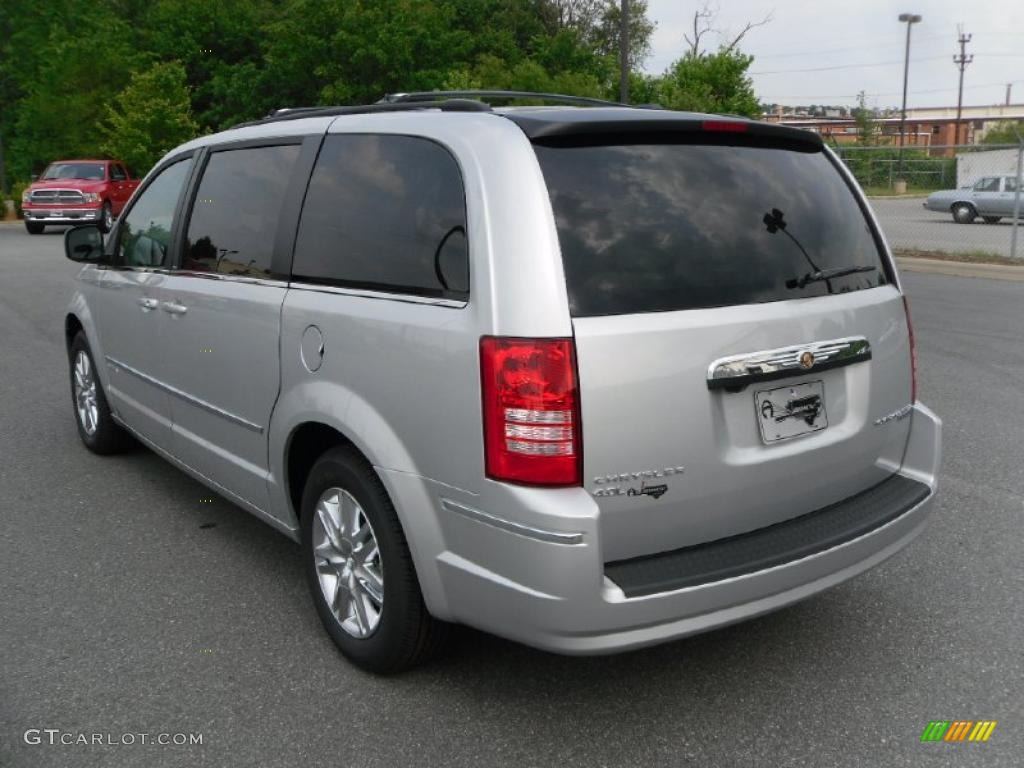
(911, 19)
(624, 52)
(1009, 87)
(961, 61)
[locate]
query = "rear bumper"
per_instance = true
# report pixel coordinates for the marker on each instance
(554, 592)
(785, 542)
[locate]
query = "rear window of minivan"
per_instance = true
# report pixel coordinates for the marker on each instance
(673, 225)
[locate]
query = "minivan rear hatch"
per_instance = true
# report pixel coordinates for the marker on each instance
(743, 352)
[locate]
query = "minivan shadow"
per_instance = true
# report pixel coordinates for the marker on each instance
(738, 651)
(799, 641)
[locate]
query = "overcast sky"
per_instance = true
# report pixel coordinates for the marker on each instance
(845, 36)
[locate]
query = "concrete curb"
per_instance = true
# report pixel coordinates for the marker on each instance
(962, 268)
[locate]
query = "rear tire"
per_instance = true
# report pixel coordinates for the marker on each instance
(33, 228)
(964, 213)
(97, 428)
(992, 219)
(359, 568)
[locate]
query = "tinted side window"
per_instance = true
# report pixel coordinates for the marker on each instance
(988, 184)
(385, 213)
(662, 227)
(1011, 184)
(116, 173)
(236, 208)
(145, 233)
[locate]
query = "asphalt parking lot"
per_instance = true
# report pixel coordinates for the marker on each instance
(908, 224)
(129, 605)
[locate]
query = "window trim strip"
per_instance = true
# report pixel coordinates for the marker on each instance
(202, 404)
(408, 298)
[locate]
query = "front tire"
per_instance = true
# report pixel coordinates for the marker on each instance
(964, 213)
(34, 228)
(359, 568)
(97, 428)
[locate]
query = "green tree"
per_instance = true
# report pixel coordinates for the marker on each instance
(1006, 132)
(61, 69)
(151, 116)
(644, 89)
(490, 72)
(715, 82)
(867, 128)
(220, 46)
(712, 82)
(350, 51)
(597, 24)
(343, 52)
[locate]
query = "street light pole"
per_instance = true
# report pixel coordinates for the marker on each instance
(911, 19)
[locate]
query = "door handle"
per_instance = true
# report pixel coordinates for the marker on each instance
(147, 303)
(174, 308)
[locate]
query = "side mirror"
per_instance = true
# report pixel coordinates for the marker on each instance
(84, 244)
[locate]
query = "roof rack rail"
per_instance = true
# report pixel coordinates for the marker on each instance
(297, 113)
(556, 98)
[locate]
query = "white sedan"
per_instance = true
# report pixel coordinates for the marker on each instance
(991, 197)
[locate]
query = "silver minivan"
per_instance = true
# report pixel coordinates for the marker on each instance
(586, 377)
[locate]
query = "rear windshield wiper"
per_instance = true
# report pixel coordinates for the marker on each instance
(826, 274)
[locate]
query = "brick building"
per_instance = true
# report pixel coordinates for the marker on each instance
(925, 127)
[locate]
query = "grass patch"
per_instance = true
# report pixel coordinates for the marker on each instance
(889, 192)
(969, 257)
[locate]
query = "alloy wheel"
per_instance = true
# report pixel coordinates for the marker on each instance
(348, 563)
(85, 393)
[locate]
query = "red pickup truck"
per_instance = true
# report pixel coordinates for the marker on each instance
(77, 192)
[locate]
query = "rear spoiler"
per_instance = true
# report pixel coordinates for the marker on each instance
(589, 125)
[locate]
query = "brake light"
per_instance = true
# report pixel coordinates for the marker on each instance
(724, 126)
(531, 410)
(913, 352)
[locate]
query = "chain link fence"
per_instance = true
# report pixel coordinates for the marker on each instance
(962, 201)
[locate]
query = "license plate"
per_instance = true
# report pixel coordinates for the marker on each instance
(56, 214)
(792, 411)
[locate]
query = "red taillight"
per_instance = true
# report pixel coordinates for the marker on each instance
(724, 126)
(913, 352)
(531, 410)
